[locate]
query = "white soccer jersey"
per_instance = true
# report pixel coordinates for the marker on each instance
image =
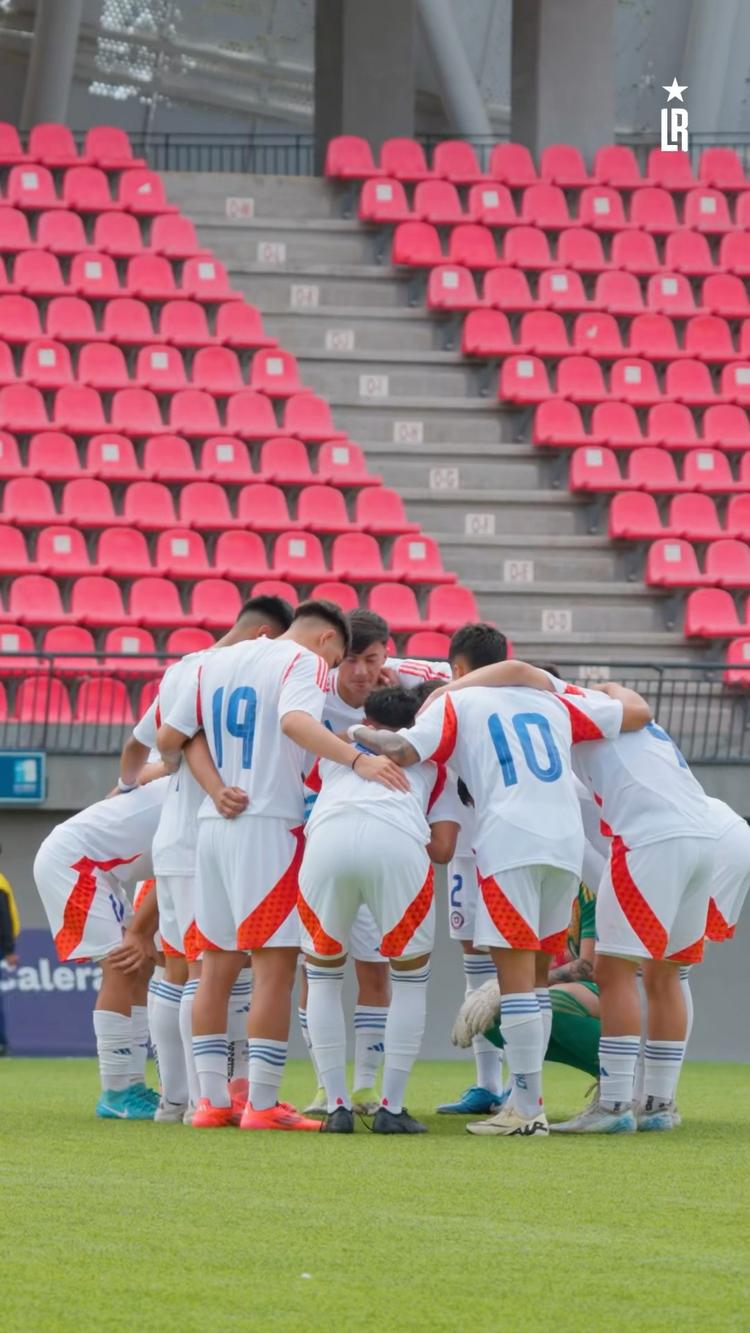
(412, 671)
(721, 817)
(242, 694)
(432, 798)
(339, 715)
(512, 748)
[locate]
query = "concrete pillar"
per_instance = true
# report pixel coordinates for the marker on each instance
(714, 64)
(52, 61)
(464, 108)
(364, 70)
(563, 73)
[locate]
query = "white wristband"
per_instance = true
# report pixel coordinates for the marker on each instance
(126, 786)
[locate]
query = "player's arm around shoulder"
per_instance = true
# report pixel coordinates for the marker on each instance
(636, 711)
(389, 743)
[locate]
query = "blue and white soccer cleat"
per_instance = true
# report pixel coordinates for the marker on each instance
(475, 1101)
(657, 1119)
(127, 1104)
(598, 1119)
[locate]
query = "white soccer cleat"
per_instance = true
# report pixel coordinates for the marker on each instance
(657, 1118)
(509, 1121)
(478, 1012)
(187, 1118)
(598, 1119)
(170, 1113)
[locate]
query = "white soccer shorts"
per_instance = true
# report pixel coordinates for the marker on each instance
(463, 891)
(87, 908)
(528, 907)
(364, 938)
(246, 886)
(365, 860)
(730, 882)
(653, 900)
(175, 895)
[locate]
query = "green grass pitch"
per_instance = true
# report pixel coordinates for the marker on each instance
(110, 1225)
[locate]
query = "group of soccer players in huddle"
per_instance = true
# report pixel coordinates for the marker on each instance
(290, 790)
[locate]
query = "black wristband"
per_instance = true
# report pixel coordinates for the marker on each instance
(354, 760)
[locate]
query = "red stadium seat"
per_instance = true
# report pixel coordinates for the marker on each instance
(737, 518)
(168, 458)
(22, 408)
(744, 345)
(128, 322)
(634, 517)
(617, 165)
(381, 511)
(151, 277)
(562, 289)
(619, 293)
(542, 333)
(672, 563)
(581, 249)
(103, 366)
(142, 191)
(19, 319)
(734, 253)
(194, 412)
(71, 319)
(10, 458)
(285, 461)
(322, 509)
(188, 639)
(384, 200)
(16, 650)
(263, 508)
(486, 333)
(97, 600)
(512, 164)
(130, 646)
(226, 460)
(688, 252)
(42, 698)
(240, 555)
(160, 368)
(689, 382)
(527, 247)
(725, 426)
(451, 287)
(562, 164)
(708, 338)
(73, 649)
(87, 503)
(523, 379)
(615, 425)
(79, 410)
(10, 145)
(491, 204)
(653, 336)
(204, 505)
(276, 588)
(653, 209)
(706, 210)
(123, 553)
(27, 501)
(154, 602)
(671, 294)
(735, 383)
(217, 369)
(635, 252)
(600, 207)
(14, 558)
(429, 645)
(7, 368)
(672, 425)
(738, 660)
(174, 237)
(309, 417)
(181, 554)
(112, 457)
(597, 334)
(185, 324)
(53, 145)
(53, 456)
(14, 231)
(721, 167)
(86, 190)
(711, 613)
(581, 378)
(275, 373)
(455, 160)
(94, 276)
(708, 470)
(348, 157)
(654, 470)
(545, 206)
(34, 599)
(240, 325)
(341, 594)
(558, 423)
(595, 469)
(205, 279)
(416, 245)
(32, 188)
(358, 558)
(342, 463)
(694, 517)
(417, 559)
(136, 412)
(46, 363)
(251, 416)
(215, 603)
(450, 608)
(109, 148)
(38, 273)
(149, 505)
(728, 563)
(670, 169)
(404, 159)
(508, 289)
(633, 380)
(396, 603)
(299, 556)
(117, 234)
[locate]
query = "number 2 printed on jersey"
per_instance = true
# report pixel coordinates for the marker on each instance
(237, 720)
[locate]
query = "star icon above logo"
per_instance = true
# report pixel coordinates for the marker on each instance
(674, 89)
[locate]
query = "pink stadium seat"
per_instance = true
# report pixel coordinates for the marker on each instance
(558, 423)
(384, 200)
(103, 366)
(28, 502)
(562, 164)
(512, 164)
(142, 191)
(417, 559)
(473, 246)
(130, 646)
(263, 508)
(404, 159)
(342, 463)
(738, 660)
(635, 252)
(429, 645)
(491, 204)
(728, 563)
(14, 231)
(123, 553)
(168, 458)
(455, 160)
(299, 556)
(581, 378)
(276, 588)
(240, 555)
(527, 247)
(42, 698)
(616, 425)
(53, 145)
(708, 470)
(348, 157)
(154, 602)
(451, 287)
(357, 558)
(708, 338)
(600, 207)
(285, 461)
(523, 379)
(581, 249)
(240, 325)
(14, 557)
(722, 168)
(22, 408)
(117, 234)
(735, 383)
(217, 369)
(595, 469)
(205, 279)
(341, 594)
(73, 649)
(449, 608)
(671, 294)
(694, 517)
(654, 470)
(10, 458)
(416, 245)
(109, 148)
(136, 412)
(215, 603)
(634, 517)
(185, 324)
(46, 363)
(633, 380)
(744, 345)
(487, 333)
(597, 334)
(7, 368)
(31, 187)
(545, 206)
(541, 332)
(112, 457)
(737, 519)
(34, 599)
(87, 503)
(149, 505)
(96, 600)
(79, 410)
(381, 511)
(194, 412)
(706, 210)
(226, 460)
(562, 289)
(160, 368)
(275, 373)
(670, 169)
(653, 336)
(53, 456)
(151, 277)
(711, 613)
(617, 165)
(672, 563)
(128, 322)
(94, 276)
(86, 190)
(652, 208)
(175, 237)
(508, 289)
(38, 273)
(672, 425)
(204, 505)
(19, 319)
(688, 252)
(188, 639)
(689, 382)
(726, 426)
(181, 554)
(322, 509)
(251, 416)
(734, 253)
(309, 417)
(398, 604)
(10, 145)
(16, 650)
(619, 293)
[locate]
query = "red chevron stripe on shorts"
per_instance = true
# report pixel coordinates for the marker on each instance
(644, 922)
(393, 944)
(272, 911)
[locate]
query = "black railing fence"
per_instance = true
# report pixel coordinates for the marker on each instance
(75, 706)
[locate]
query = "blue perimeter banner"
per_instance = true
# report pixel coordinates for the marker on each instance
(48, 1004)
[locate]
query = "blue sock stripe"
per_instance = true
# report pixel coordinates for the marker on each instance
(190, 987)
(324, 973)
(684, 973)
(419, 976)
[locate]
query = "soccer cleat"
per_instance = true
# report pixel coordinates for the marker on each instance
(125, 1104)
(148, 1094)
(190, 1110)
(365, 1101)
(599, 1119)
(657, 1118)
(509, 1122)
(318, 1106)
(474, 1101)
(396, 1122)
(208, 1116)
(170, 1113)
(340, 1121)
(280, 1116)
(238, 1109)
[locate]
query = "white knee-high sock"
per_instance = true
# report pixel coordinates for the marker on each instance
(327, 1028)
(240, 998)
(662, 1070)
(265, 1071)
(139, 1055)
(164, 1004)
(478, 968)
(369, 1043)
(404, 1030)
(210, 1055)
(523, 1033)
(545, 1009)
(186, 1036)
(158, 975)
(304, 1029)
(688, 998)
(113, 1048)
(617, 1061)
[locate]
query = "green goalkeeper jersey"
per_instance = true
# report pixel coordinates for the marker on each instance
(582, 920)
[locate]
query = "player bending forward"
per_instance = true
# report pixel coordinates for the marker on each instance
(369, 845)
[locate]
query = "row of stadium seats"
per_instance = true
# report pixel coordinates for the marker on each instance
(85, 190)
(491, 333)
(54, 145)
(634, 380)
(80, 410)
(602, 208)
(350, 158)
(98, 700)
(49, 364)
(559, 423)
(453, 287)
(128, 321)
(96, 276)
(119, 234)
(636, 517)
(597, 471)
(673, 563)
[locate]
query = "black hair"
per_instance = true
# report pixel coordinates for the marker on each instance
(551, 668)
(481, 644)
(269, 608)
(328, 611)
(424, 690)
(464, 795)
(392, 706)
(366, 628)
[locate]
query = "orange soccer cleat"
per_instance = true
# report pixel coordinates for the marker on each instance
(280, 1116)
(208, 1116)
